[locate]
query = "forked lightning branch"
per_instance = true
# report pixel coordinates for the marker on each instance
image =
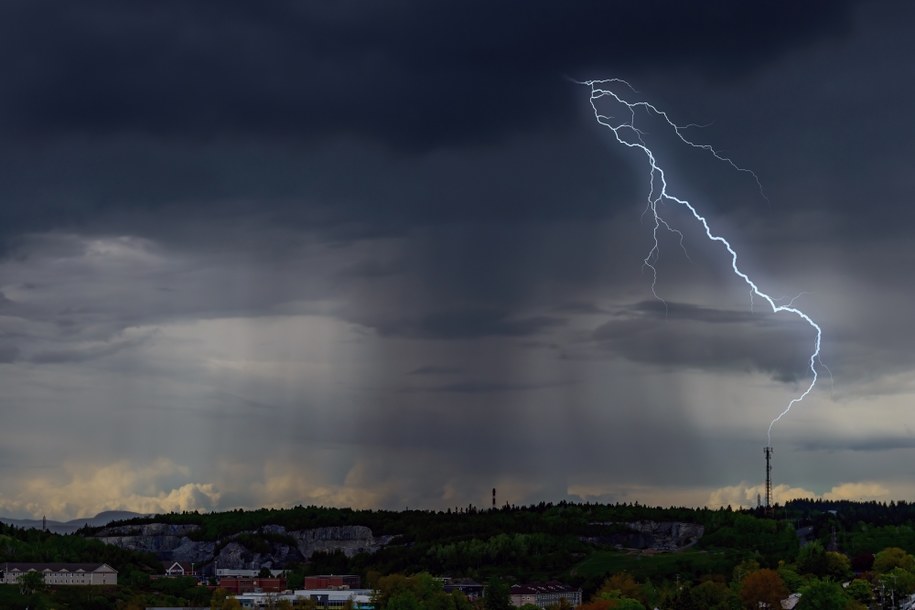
(613, 109)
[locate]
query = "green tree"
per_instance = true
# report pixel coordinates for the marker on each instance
(743, 568)
(838, 566)
(403, 600)
(627, 603)
(31, 583)
(221, 600)
(135, 578)
(387, 587)
(710, 595)
(893, 557)
(132, 604)
(823, 595)
(789, 575)
(625, 584)
(460, 601)
(811, 559)
(860, 591)
(497, 595)
(295, 578)
(612, 600)
(897, 583)
(422, 588)
(596, 603)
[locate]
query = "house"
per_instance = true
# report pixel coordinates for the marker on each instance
(179, 568)
(71, 574)
(544, 594)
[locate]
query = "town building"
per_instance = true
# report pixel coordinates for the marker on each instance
(473, 590)
(331, 599)
(544, 594)
(71, 574)
(236, 585)
(332, 581)
(220, 572)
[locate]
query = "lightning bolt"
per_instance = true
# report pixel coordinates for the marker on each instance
(626, 133)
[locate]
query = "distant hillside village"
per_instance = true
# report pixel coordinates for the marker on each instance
(267, 588)
(806, 556)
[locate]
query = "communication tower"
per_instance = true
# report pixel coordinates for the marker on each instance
(768, 452)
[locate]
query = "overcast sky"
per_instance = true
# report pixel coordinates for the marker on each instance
(383, 255)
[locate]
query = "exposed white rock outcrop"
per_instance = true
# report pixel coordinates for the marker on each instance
(280, 546)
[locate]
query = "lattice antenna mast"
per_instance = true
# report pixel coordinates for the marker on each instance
(768, 452)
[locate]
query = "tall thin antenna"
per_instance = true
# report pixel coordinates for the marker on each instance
(768, 452)
(494, 498)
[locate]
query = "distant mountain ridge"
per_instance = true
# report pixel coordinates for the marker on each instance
(68, 527)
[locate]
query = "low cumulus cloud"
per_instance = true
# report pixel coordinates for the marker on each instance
(746, 495)
(285, 485)
(85, 489)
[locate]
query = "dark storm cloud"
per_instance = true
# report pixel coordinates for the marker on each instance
(118, 117)
(435, 370)
(867, 444)
(403, 215)
(8, 353)
(468, 323)
(412, 74)
(369, 269)
(84, 354)
(689, 311)
(483, 387)
(580, 307)
(686, 335)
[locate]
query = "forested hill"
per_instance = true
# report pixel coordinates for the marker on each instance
(412, 525)
(583, 519)
(578, 543)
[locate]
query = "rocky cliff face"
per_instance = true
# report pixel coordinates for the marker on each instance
(655, 535)
(669, 536)
(168, 542)
(275, 546)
